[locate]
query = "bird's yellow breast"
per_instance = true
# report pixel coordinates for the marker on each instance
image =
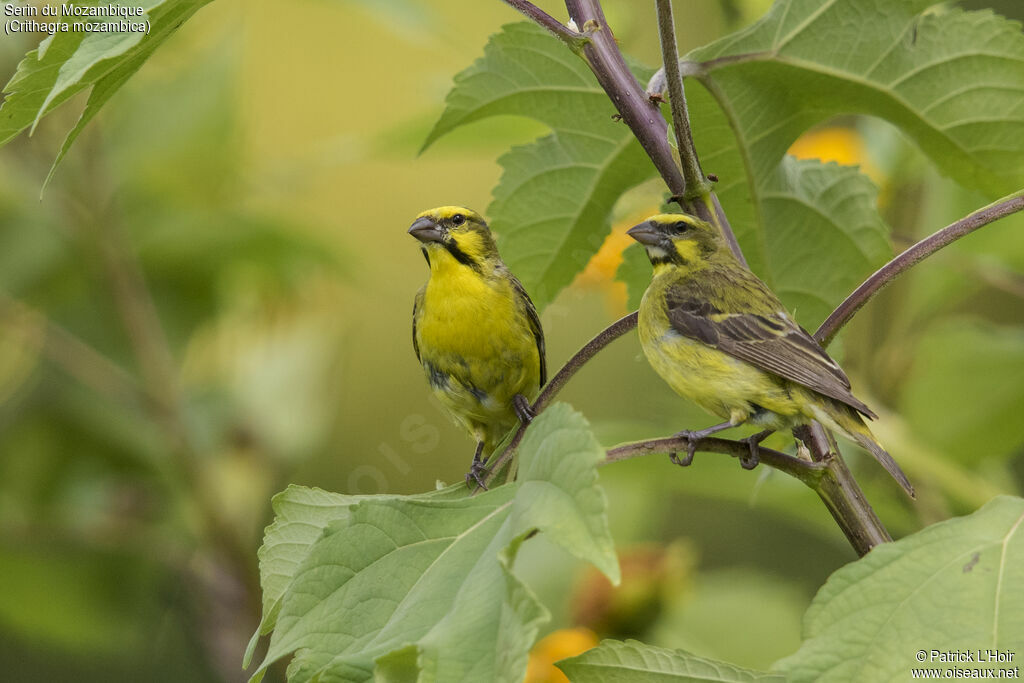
(476, 345)
(468, 313)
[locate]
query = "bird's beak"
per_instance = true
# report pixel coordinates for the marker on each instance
(645, 233)
(426, 230)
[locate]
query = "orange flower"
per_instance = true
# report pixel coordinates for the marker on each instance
(600, 270)
(841, 144)
(566, 642)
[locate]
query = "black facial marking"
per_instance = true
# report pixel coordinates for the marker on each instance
(425, 254)
(460, 255)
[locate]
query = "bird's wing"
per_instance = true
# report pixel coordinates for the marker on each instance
(415, 313)
(534, 320)
(769, 341)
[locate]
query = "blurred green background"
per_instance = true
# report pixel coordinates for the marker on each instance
(213, 300)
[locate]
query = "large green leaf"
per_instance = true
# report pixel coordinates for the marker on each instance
(955, 586)
(358, 586)
(66, 63)
(821, 236)
(959, 397)
(616, 662)
(551, 206)
(951, 80)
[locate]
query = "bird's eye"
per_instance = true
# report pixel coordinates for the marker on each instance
(681, 227)
(458, 219)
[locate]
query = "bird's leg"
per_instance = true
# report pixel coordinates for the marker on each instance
(522, 408)
(754, 442)
(692, 438)
(478, 469)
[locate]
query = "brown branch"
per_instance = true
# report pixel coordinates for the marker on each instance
(551, 389)
(911, 257)
(572, 38)
(641, 115)
(808, 472)
(840, 492)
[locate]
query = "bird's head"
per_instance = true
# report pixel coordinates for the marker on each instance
(454, 232)
(677, 239)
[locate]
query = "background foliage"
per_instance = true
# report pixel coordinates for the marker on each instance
(211, 301)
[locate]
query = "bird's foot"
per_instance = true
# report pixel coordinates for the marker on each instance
(477, 472)
(753, 442)
(692, 439)
(522, 408)
(682, 462)
(691, 447)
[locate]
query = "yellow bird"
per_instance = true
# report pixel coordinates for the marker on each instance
(721, 338)
(475, 330)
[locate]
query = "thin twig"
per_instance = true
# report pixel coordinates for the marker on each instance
(641, 115)
(911, 257)
(657, 83)
(551, 389)
(589, 350)
(565, 34)
(696, 186)
(808, 472)
(644, 118)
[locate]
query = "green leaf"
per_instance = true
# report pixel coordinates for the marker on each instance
(625, 662)
(300, 516)
(823, 234)
(68, 62)
(90, 51)
(958, 397)
(953, 81)
(820, 236)
(364, 586)
(551, 206)
(953, 586)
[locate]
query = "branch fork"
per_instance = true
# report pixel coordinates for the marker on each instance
(639, 108)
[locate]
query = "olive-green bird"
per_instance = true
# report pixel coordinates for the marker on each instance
(721, 338)
(475, 330)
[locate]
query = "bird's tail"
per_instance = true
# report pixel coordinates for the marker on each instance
(849, 421)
